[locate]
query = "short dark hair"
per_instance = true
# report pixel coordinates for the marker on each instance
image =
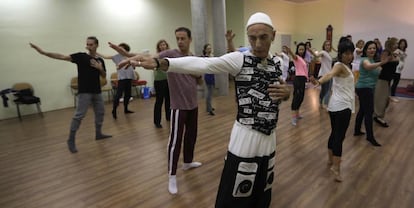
(345, 45)
(93, 38)
(184, 29)
(125, 46)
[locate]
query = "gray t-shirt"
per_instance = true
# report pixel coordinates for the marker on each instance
(127, 73)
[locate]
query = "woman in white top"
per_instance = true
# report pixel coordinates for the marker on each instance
(341, 103)
(326, 65)
(357, 58)
(285, 57)
(402, 46)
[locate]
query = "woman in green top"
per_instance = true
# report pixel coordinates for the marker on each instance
(161, 89)
(369, 70)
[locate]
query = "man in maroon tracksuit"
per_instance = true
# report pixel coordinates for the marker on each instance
(184, 110)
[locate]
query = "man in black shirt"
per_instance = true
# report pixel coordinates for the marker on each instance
(90, 69)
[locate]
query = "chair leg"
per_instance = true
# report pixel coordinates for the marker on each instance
(138, 91)
(74, 100)
(18, 112)
(39, 110)
(113, 92)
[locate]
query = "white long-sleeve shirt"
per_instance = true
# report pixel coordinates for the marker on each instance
(229, 63)
(253, 75)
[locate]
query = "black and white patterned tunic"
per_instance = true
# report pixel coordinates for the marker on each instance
(255, 107)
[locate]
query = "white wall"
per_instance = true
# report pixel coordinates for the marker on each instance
(62, 26)
(371, 19)
(301, 21)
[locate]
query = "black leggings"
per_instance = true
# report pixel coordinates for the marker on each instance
(298, 92)
(124, 87)
(395, 80)
(161, 94)
(366, 110)
(339, 125)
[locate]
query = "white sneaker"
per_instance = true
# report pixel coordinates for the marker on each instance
(121, 100)
(294, 121)
(394, 99)
(187, 166)
(172, 184)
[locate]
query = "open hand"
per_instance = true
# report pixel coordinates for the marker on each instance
(229, 35)
(279, 91)
(36, 48)
(146, 62)
(96, 64)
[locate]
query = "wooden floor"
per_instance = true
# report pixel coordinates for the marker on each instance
(130, 169)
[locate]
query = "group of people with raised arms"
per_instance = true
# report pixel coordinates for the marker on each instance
(260, 86)
(371, 80)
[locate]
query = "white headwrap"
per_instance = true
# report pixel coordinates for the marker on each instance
(259, 18)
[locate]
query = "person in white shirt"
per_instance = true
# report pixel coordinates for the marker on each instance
(341, 104)
(248, 172)
(326, 65)
(285, 58)
(357, 58)
(402, 47)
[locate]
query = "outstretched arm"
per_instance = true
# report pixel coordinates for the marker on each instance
(103, 56)
(314, 53)
(294, 57)
(227, 63)
(371, 66)
(338, 70)
(50, 54)
(121, 50)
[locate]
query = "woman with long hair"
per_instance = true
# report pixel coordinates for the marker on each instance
(341, 103)
(402, 46)
(326, 65)
(382, 88)
(301, 76)
(357, 58)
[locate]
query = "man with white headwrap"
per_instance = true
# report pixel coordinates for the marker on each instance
(248, 171)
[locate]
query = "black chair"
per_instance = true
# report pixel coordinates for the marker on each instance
(24, 94)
